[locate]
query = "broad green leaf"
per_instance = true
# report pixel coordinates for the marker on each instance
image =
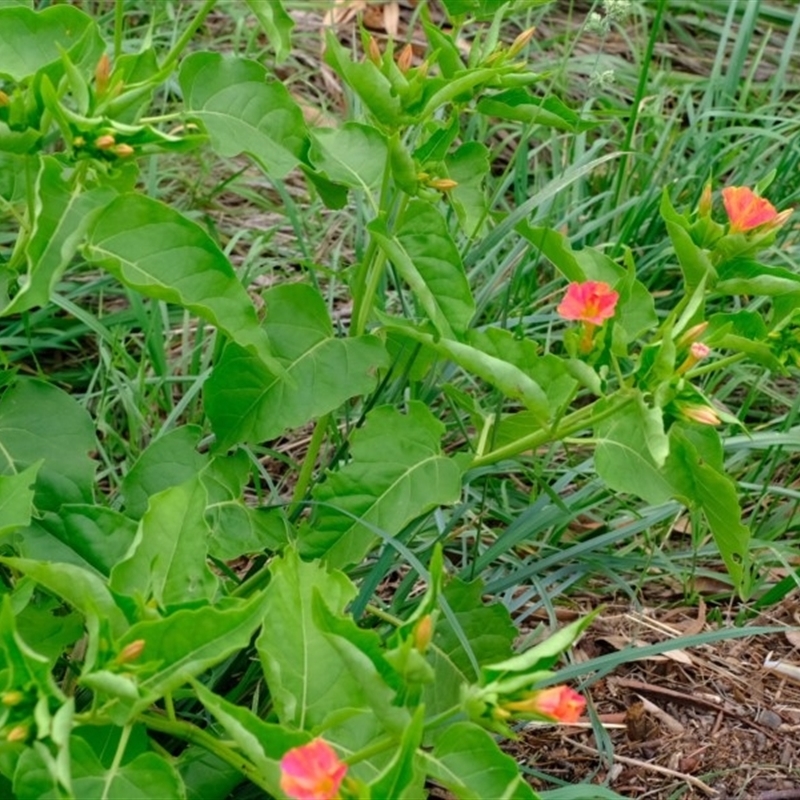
(307, 679)
(104, 741)
(101, 536)
(547, 371)
(157, 251)
(397, 473)
(39, 422)
(16, 499)
(179, 647)
(46, 628)
(426, 257)
(507, 377)
(522, 106)
(277, 24)
(354, 155)
(167, 560)
(145, 777)
(468, 762)
(14, 177)
(243, 112)
(31, 41)
(36, 776)
(236, 528)
(631, 448)
(205, 775)
(469, 166)
(262, 743)
(83, 590)
(168, 461)
(555, 247)
(246, 401)
(403, 779)
(18, 142)
(746, 276)
(698, 482)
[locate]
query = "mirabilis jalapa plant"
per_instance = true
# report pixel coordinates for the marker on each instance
(168, 678)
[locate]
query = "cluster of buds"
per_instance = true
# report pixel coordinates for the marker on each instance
(17, 711)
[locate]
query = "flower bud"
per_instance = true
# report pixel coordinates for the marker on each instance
(123, 150)
(12, 698)
(697, 352)
(105, 142)
(423, 633)
(706, 200)
(705, 415)
(130, 652)
(443, 184)
(558, 702)
(519, 43)
(19, 733)
(404, 59)
(373, 51)
(102, 73)
(692, 335)
(4, 99)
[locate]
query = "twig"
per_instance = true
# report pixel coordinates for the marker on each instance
(779, 794)
(634, 762)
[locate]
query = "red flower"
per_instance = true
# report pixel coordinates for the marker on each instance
(312, 771)
(590, 301)
(746, 210)
(558, 702)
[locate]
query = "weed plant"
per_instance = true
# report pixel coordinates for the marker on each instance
(322, 381)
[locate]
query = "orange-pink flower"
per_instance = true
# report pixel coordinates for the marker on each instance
(746, 210)
(590, 301)
(558, 702)
(312, 771)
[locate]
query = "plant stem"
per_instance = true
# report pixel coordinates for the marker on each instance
(712, 366)
(194, 735)
(186, 36)
(310, 460)
(120, 752)
(119, 20)
(584, 418)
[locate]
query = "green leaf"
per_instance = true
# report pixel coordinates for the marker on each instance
(168, 461)
(468, 762)
(397, 473)
(246, 401)
(367, 81)
(168, 557)
(205, 775)
(39, 422)
(522, 106)
(479, 9)
(277, 24)
(307, 679)
(180, 647)
(555, 247)
(243, 112)
(699, 483)
(631, 449)
(426, 257)
(402, 779)
(31, 41)
(46, 628)
(469, 166)
(83, 590)
(100, 536)
(145, 777)
(157, 251)
(16, 499)
(263, 743)
(508, 378)
(746, 276)
(354, 155)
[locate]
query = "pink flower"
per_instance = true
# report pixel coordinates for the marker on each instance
(746, 210)
(590, 301)
(312, 771)
(705, 415)
(558, 702)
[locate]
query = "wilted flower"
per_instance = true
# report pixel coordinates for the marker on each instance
(312, 771)
(558, 702)
(746, 210)
(590, 301)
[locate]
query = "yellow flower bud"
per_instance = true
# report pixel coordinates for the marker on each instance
(443, 184)
(131, 651)
(124, 150)
(12, 698)
(105, 142)
(373, 51)
(404, 59)
(4, 99)
(521, 41)
(102, 72)
(19, 733)
(423, 633)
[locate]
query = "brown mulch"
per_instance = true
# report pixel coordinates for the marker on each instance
(706, 722)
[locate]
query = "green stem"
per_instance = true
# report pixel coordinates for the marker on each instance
(120, 752)
(374, 276)
(194, 735)
(584, 418)
(309, 462)
(712, 366)
(186, 37)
